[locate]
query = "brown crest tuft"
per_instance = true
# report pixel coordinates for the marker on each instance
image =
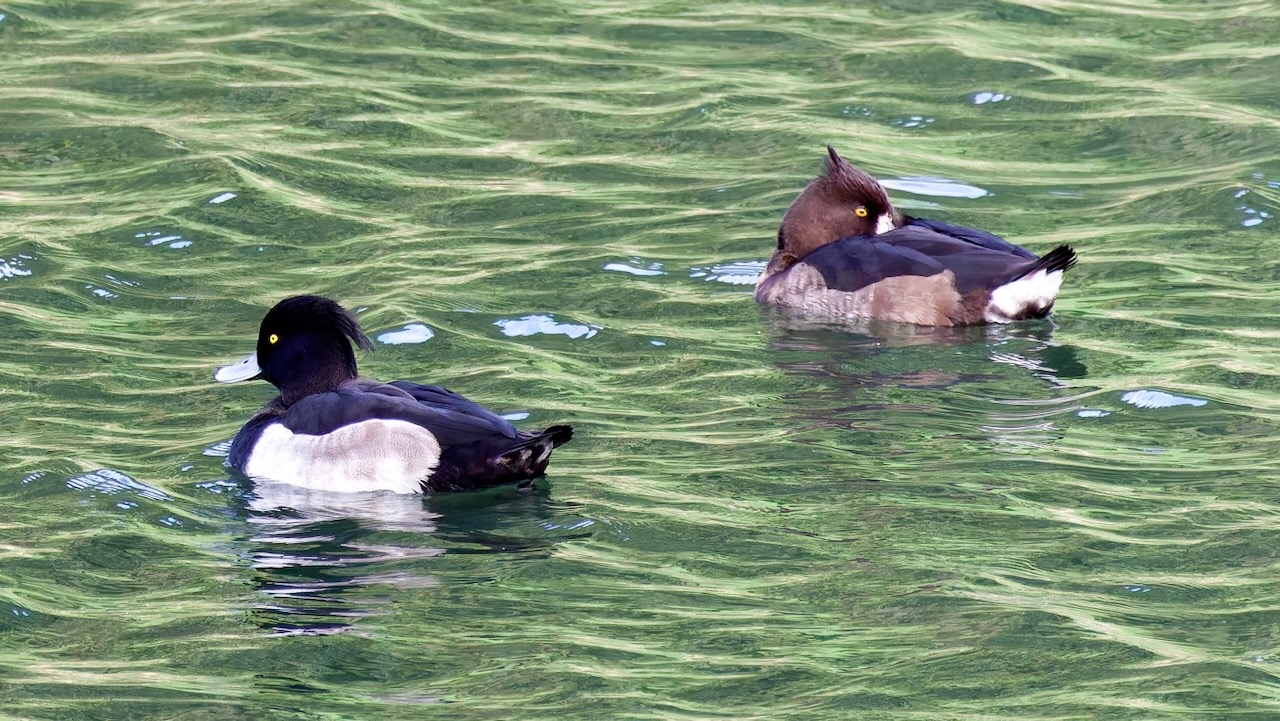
(843, 202)
(853, 184)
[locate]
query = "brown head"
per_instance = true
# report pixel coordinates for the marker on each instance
(840, 203)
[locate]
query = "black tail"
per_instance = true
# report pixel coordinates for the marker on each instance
(529, 457)
(496, 460)
(558, 435)
(1060, 258)
(550, 437)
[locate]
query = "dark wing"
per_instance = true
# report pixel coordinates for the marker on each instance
(244, 441)
(974, 266)
(855, 263)
(451, 423)
(443, 398)
(431, 396)
(980, 238)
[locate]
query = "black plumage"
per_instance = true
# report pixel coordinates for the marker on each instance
(977, 259)
(304, 349)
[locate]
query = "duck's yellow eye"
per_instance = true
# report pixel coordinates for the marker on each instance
(272, 340)
(860, 212)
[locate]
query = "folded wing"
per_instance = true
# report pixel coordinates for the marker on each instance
(981, 262)
(452, 419)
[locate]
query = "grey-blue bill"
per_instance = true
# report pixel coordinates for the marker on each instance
(245, 370)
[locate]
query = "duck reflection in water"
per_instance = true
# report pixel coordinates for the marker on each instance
(324, 560)
(981, 371)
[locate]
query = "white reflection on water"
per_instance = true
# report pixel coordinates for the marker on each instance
(155, 237)
(221, 449)
(545, 325)
(380, 510)
(742, 272)
(111, 482)
(1144, 398)
(985, 97)
(635, 266)
(411, 333)
(1255, 216)
(13, 268)
(935, 186)
(317, 560)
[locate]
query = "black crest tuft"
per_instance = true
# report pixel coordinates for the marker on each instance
(318, 313)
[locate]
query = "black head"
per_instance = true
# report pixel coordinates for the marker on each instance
(842, 202)
(304, 346)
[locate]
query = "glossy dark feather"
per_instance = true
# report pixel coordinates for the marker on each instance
(304, 349)
(1061, 258)
(855, 263)
(438, 397)
(486, 462)
(323, 413)
(978, 262)
(973, 236)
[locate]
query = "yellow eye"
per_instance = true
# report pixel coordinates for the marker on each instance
(860, 212)
(272, 340)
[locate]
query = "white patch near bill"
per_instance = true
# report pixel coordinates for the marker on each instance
(373, 455)
(884, 223)
(1012, 300)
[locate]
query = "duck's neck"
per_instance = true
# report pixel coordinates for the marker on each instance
(317, 371)
(295, 392)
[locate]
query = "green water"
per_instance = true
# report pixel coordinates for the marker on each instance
(760, 518)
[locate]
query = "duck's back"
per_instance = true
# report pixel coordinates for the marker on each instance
(970, 236)
(397, 436)
(924, 272)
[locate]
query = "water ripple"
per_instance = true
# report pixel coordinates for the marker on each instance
(759, 516)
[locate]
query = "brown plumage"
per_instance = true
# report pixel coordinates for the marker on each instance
(843, 250)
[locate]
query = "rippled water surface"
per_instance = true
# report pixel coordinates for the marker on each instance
(559, 209)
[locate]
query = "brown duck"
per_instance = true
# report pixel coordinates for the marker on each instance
(845, 251)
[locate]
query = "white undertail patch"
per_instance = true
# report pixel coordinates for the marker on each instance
(373, 455)
(1013, 300)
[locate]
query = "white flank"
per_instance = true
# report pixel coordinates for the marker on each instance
(1013, 300)
(884, 223)
(374, 455)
